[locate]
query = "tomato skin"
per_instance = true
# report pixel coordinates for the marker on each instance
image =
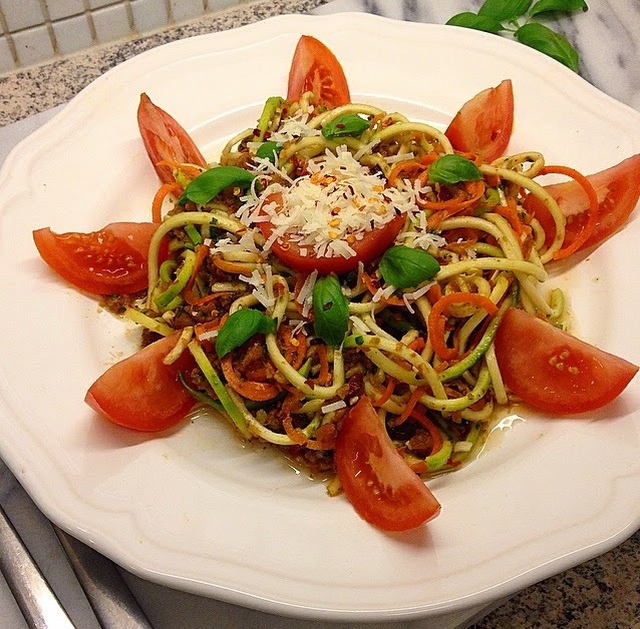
(554, 371)
(165, 140)
(141, 392)
(111, 260)
(379, 484)
(618, 190)
(314, 68)
(484, 124)
(372, 245)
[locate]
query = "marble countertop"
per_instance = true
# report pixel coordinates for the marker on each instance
(603, 592)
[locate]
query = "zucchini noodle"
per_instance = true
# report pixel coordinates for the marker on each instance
(321, 194)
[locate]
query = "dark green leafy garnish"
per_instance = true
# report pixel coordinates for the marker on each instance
(518, 18)
(269, 150)
(453, 168)
(403, 266)
(330, 311)
(213, 181)
(240, 327)
(347, 124)
(552, 44)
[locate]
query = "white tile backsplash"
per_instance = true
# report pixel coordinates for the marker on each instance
(149, 15)
(73, 34)
(111, 23)
(21, 14)
(183, 10)
(40, 30)
(6, 58)
(60, 9)
(33, 45)
(98, 4)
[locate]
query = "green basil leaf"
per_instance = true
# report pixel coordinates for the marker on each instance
(213, 181)
(330, 311)
(543, 39)
(269, 150)
(504, 10)
(563, 6)
(403, 266)
(347, 124)
(240, 327)
(453, 168)
(477, 22)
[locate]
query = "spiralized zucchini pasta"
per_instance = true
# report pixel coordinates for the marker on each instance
(411, 329)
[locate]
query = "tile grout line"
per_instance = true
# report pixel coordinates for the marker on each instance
(10, 43)
(92, 25)
(47, 22)
(130, 20)
(167, 4)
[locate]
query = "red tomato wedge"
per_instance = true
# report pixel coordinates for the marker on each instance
(483, 126)
(554, 371)
(376, 480)
(618, 190)
(165, 140)
(372, 245)
(111, 260)
(143, 393)
(314, 68)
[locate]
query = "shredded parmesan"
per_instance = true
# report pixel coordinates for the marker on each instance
(329, 209)
(294, 128)
(399, 157)
(416, 294)
(383, 293)
(407, 303)
(262, 281)
(334, 406)
(207, 336)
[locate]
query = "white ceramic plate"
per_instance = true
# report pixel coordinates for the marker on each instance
(197, 510)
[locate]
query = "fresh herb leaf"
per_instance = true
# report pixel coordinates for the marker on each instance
(494, 14)
(269, 150)
(477, 22)
(453, 168)
(213, 181)
(543, 39)
(347, 124)
(330, 311)
(504, 10)
(240, 327)
(403, 266)
(562, 6)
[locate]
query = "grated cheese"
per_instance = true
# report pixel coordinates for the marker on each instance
(334, 406)
(263, 286)
(399, 157)
(416, 294)
(307, 287)
(294, 128)
(383, 293)
(299, 326)
(337, 186)
(207, 336)
(407, 303)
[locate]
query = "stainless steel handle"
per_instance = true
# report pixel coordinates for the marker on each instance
(36, 600)
(110, 597)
